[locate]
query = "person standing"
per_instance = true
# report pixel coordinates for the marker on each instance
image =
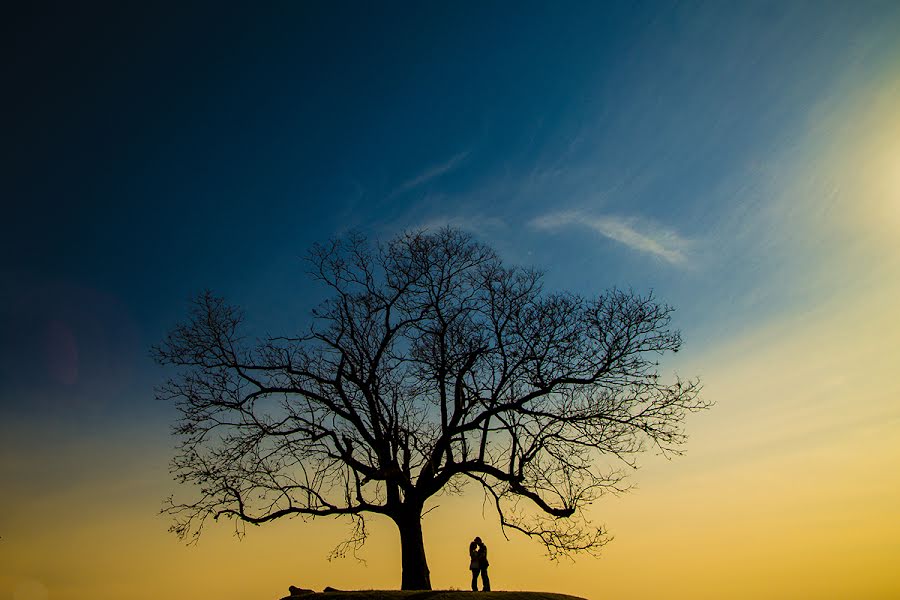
(478, 564)
(474, 564)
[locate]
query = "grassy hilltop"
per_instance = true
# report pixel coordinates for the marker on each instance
(433, 595)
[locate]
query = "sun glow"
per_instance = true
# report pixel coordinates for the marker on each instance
(864, 158)
(887, 166)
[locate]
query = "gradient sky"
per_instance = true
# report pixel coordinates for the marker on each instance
(742, 159)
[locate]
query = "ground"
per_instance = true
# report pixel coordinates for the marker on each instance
(435, 595)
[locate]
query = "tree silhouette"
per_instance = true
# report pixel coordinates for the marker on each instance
(431, 364)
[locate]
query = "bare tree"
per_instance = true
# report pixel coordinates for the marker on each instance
(431, 364)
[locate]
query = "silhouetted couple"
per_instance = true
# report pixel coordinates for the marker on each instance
(479, 564)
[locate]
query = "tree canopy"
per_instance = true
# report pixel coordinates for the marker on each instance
(430, 365)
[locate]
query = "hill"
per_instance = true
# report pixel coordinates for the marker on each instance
(431, 595)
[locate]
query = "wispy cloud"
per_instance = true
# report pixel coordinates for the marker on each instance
(632, 232)
(432, 172)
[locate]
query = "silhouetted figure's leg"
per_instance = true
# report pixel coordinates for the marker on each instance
(474, 580)
(485, 580)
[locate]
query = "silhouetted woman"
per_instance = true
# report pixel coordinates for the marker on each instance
(478, 564)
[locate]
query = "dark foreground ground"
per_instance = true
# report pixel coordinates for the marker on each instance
(432, 595)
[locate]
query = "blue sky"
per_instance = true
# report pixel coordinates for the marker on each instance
(736, 157)
(156, 152)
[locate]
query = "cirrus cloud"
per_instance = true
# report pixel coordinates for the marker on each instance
(632, 232)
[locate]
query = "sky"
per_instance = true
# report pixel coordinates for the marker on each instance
(740, 159)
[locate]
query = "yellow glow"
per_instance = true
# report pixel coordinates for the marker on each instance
(887, 173)
(860, 146)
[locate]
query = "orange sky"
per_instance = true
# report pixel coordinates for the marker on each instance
(789, 489)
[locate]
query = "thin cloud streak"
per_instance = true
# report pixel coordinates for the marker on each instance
(643, 237)
(431, 173)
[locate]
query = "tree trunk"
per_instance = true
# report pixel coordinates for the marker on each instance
(412, 548)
